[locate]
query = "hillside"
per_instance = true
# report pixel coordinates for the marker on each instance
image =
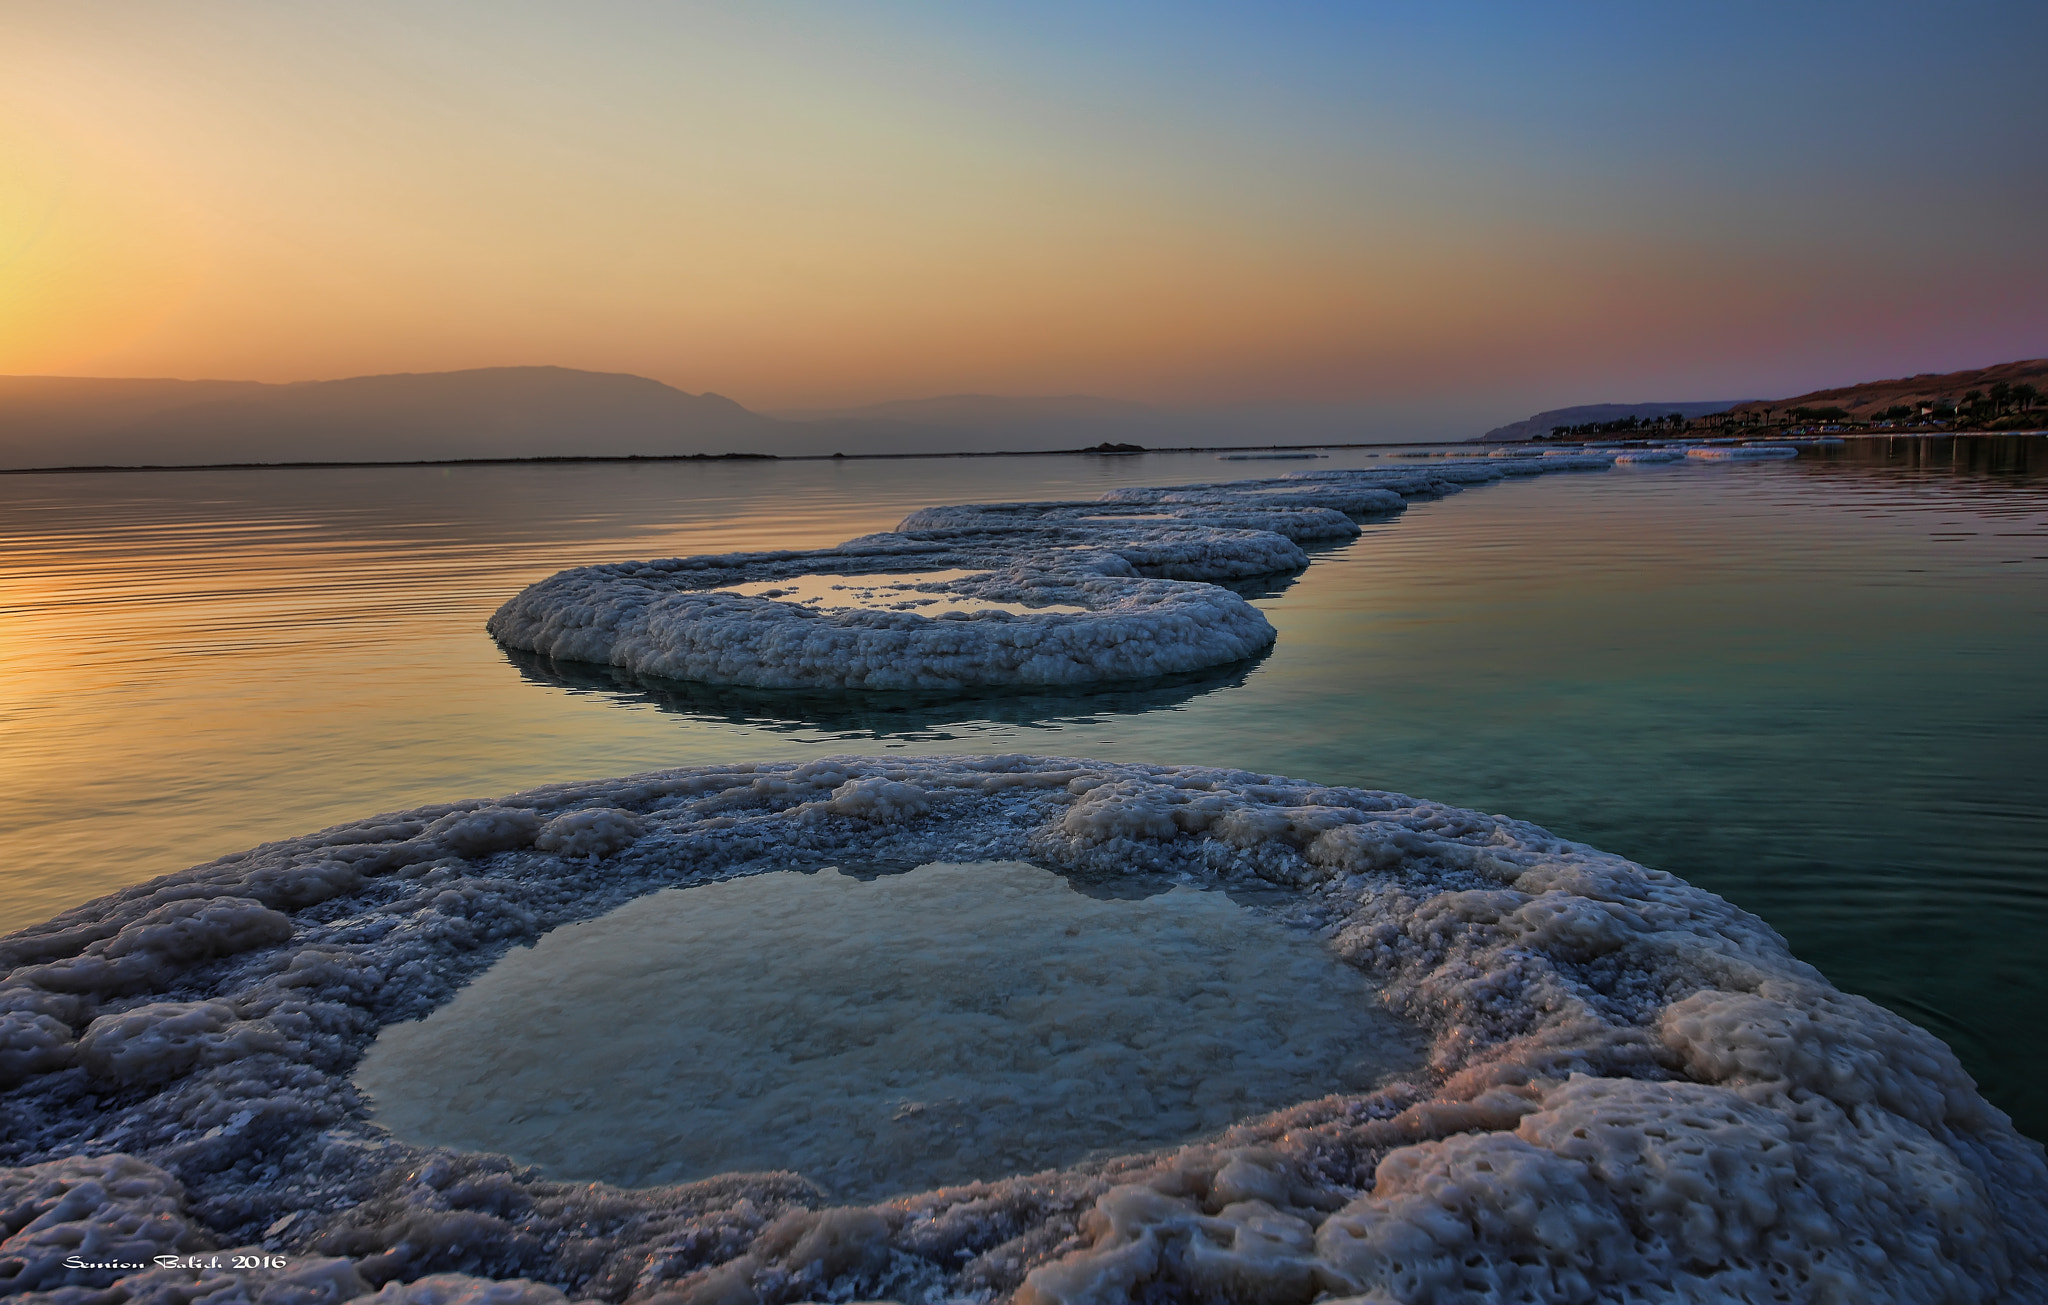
(1856, 403)
(1539, 426)
(497, 412)
(1872, 398)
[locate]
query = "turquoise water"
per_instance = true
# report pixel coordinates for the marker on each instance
(1814, 687)
(883, 1031)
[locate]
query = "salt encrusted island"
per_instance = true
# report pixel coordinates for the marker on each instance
(1633, 1089)
(1124, 588)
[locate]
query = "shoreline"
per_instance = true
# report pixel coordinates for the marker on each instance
(329, 465)
(695, 457)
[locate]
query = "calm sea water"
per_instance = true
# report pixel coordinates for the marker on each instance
(1814, 687)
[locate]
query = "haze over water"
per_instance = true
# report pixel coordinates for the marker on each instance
(1812, 687)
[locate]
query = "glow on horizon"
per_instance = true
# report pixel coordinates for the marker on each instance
(802, 205)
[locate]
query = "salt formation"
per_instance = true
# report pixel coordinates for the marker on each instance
(1632, 1091)
(882, 1036)
(1125, 588)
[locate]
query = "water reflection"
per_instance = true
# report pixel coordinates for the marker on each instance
(1812, 686)
(920, 715)
(1253, 588)
(1970, 455)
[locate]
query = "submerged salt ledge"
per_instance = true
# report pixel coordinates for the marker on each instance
(1122, 588)
(909, 1031)
(928, 593)
(1633, 1090)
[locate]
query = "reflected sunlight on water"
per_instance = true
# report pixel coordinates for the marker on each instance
(1811, 686)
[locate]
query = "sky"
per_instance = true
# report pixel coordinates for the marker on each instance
(1397, 206)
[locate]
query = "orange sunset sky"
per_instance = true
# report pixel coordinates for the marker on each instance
(802, 205)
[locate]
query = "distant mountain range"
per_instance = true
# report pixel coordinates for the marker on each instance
(527, 412)
(537, 412)
(498, 412)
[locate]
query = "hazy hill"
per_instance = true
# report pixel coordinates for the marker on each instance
(1875, 396)
(496, 412)
(523, 412)
(82, 402)
(1542, 423)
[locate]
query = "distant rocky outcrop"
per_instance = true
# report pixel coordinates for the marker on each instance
(1540, 425)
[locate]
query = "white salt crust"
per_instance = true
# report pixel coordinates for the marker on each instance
(1142, 567)
(1634, 1091)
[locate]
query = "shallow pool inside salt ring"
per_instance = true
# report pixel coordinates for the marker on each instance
(883, 1035)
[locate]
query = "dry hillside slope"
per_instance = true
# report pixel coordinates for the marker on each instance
(1873, 397)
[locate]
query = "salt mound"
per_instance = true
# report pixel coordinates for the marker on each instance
(980, 594)
(1633, 1091)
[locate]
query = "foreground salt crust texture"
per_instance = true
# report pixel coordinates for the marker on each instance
(1124, 588)
(1633, 1090)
